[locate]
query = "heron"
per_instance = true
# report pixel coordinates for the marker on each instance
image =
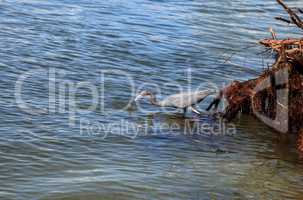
(184, 100)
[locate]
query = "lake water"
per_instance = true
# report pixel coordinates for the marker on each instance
(110, 48)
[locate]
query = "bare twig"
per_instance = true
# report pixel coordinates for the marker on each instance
(283, 20)
(292, 15)
(273, 34)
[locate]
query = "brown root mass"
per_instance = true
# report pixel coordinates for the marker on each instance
(245, 96)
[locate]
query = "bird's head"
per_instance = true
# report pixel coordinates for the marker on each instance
(143, 94)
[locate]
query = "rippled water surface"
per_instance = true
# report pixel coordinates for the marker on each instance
(46, 155)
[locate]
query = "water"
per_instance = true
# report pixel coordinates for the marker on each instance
(157, 43)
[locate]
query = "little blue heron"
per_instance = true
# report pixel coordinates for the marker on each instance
(182, 100)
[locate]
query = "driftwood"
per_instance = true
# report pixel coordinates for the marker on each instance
(247, 97)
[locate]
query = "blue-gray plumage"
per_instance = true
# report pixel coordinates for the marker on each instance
(182, 100)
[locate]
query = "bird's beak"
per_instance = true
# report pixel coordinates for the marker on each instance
(138, 97)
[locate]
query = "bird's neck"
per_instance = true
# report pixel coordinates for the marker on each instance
(153, 100)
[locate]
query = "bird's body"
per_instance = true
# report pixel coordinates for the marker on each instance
(182, 100)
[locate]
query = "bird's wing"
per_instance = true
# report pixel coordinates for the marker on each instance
(170, 101)
(183, 100)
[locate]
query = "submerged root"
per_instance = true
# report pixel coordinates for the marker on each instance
(262, 96)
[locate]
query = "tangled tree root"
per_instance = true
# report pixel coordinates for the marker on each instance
(262, 97)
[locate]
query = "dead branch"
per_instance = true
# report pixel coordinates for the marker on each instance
(283, 20)
(273, 34)
(286, 45)
(292, 15)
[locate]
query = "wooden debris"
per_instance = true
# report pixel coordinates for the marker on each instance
(243, 96)
(294, 18)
